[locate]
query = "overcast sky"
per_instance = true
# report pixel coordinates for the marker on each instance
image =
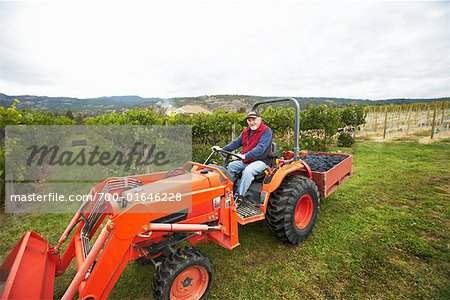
(374, 50)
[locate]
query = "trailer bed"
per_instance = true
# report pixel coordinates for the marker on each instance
(329, 181)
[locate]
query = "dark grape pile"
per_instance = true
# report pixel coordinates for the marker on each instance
(322, 163)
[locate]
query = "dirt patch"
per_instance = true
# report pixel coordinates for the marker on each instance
(441, 182)
(427, 140)
(433, 235)
(443, 179)
(406, 138)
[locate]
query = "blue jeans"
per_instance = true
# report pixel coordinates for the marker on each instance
(248, 173)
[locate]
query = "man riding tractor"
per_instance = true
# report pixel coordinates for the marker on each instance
(255, 141)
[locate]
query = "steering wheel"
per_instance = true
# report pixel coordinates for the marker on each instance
(226, 156)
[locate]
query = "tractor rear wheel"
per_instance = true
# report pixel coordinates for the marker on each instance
(292, 209)
(185, 274)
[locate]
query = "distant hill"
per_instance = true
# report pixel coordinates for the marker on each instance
(93, 106)
(100, 104)
(236, 102)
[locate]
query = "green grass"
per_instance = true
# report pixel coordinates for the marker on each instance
(383, 234)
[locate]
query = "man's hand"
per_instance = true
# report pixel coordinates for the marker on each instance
(240, 155)
(215, 148)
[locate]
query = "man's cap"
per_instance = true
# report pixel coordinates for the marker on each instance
(253, 114)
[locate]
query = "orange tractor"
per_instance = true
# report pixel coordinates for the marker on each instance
(105, 235)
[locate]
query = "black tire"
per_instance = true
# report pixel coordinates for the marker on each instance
(281, 208)
(181, 260)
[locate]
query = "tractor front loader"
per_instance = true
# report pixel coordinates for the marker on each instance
(108, 232)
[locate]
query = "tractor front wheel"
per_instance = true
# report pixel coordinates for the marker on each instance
(185, 274)
(292, 209)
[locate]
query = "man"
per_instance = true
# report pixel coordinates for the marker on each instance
(255, 141)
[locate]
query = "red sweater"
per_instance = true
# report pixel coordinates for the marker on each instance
(249, 143)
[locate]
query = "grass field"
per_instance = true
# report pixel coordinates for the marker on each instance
(384, 234)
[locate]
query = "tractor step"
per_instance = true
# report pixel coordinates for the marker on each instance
(249, 212)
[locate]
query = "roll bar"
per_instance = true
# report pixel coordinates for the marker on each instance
(297, 118)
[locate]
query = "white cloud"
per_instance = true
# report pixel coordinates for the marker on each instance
(167, 49)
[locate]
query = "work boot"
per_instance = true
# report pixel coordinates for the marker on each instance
(238, 199)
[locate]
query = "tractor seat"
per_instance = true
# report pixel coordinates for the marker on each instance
(260, 176)
(273, 155)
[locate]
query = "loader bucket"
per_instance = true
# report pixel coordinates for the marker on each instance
(28, 272)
